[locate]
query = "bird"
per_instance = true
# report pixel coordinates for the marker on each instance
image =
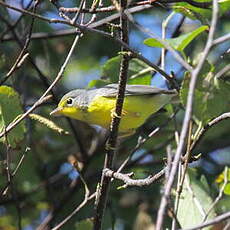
(96, 106)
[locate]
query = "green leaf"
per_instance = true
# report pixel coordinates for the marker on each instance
(224, 6)
(111, 69)
(141, 80)
(179, 43)
(97, 83)
(10, 109)
(196, 199)
(86, 224)
(189, 13)
(139, 72)
(227, 189)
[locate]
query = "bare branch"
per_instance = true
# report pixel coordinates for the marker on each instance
(223, 71)
(23, 54)
(212, 123)
(81, 205)
(108, 35)
(103, 191)
(222, 39)
(128, 181)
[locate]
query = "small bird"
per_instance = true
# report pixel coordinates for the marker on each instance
(97, 106)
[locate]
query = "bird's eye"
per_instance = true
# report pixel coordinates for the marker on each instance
(69, 101)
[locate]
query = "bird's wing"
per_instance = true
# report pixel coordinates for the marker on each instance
(133, 90)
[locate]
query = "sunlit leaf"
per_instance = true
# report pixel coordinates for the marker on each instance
(141, 80)
(10, 108)
(179, 43)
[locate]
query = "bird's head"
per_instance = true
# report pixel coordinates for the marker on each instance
(71, 104)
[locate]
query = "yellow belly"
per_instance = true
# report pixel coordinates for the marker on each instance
(136, 109)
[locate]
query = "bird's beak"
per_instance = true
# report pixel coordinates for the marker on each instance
(56, 112)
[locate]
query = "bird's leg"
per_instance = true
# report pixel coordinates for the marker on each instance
(108, 146)
(114, 114)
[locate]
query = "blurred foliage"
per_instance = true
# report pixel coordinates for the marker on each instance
(43, 179)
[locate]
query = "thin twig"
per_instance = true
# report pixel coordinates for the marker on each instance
(227, 226)
(87, 198)
(222, 39)
(15, 23)
(5, 190)
(128, 181)
(23, 54)
(108, 35)
(11, 186)
(204, 5)
(223, 71)
(79, 207)
(163, 29)
(212, 123)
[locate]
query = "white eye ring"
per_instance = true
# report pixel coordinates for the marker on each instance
(69, 101)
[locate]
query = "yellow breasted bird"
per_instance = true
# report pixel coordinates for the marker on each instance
(96, 106)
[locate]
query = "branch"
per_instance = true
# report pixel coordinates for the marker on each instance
(23, 54)
(87, 198)
(103, 191)
(126, 178)
(212, 123)
(222, 39)
(223, 71)
(68, 32)
(108, 35)
(12, 26)
(204, 5)
(75, 211)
